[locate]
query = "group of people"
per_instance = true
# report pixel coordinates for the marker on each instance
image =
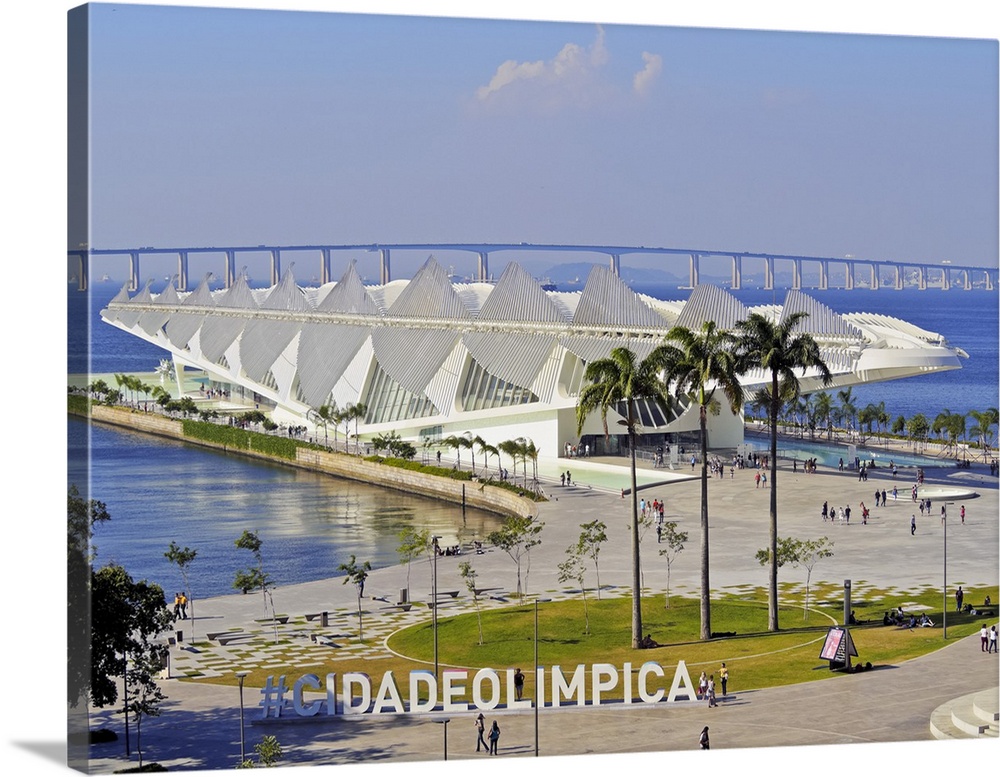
(494, 736)
(576, 451)
(180, 605)
(988, 638)
(706, 686)
(843, 513)
(898, 618)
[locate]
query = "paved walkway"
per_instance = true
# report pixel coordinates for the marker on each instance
(199, 727)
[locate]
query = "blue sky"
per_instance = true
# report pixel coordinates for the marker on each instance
(246, 127)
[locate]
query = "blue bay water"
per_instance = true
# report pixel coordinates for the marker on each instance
(158, 491)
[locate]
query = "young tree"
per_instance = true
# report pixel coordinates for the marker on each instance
(804, 553)
(616, 384)
(574, 569)
(183, 559)
(268, 752)
(780, 350)
(357, 574)
(592, 537)
(674, 541)
(468, 575)
(697, 364)
(252, 578)
(142, 694)
(516, 537)
(413, 543)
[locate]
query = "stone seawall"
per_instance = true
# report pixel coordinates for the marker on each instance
(474, 494)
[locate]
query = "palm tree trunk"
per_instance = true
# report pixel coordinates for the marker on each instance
(706, 611)
(772, 597)
(636, 590)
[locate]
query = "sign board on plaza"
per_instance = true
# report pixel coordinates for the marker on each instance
(584, 686)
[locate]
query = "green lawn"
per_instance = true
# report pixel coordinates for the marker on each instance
(755, 657)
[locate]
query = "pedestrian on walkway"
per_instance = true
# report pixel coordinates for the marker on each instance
(711, 691)
(992, 647)
(913, 525)
(481, 730)
(961, 513)
(702, 686)
(724, 679)
(984, 637)
(184, 606)
(703, 739)
(494, 738)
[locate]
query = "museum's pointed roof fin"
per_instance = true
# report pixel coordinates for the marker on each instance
(519, 297)
(710, 303)
(607, 300)
(429, 295)
(349, 295)
(821, 320)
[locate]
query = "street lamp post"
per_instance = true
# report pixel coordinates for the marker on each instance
(538, 696)
(944, 593)
(445, 721)
(241, 676)
(434, 599)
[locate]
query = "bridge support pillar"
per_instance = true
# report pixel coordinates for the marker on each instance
(797, 274)
(133, 271)
(945, 279)
(737, 281)
(824, 275)
(848, 275)
(483, 268)
(897, 277)
(230, 271)
(875, 278)
(768, 272)
(83, 271)
(694, 270)
(275, 266)
(615, 265)
(989, 281)
(182, 270)
(922, 278)
(325, 273)
(384, 270)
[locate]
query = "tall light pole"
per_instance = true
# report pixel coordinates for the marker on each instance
(241, 676)
(944, 593)
(434, 599)
(538, 697)
(445, 721)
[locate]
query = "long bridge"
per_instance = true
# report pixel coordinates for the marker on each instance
(857, 272)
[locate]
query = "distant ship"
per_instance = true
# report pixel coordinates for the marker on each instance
(547, 284)
(105, 278)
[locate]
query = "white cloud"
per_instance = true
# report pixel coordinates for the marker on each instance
(645, 78)
(573, 75)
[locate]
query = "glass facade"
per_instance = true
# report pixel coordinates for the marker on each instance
(387, 401)
(484, 391)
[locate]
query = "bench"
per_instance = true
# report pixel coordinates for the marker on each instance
(315, 616)
(402, 606)
(212, 635)
(481, 591)
(225, 639)
(321, 639)
(280, 619)
(452, 594)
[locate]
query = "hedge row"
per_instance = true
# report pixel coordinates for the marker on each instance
(241, 439)
(78, 404)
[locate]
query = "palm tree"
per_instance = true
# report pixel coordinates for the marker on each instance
(511, 448)
(324, 415)
(848, 410)
(696, 366)
(617, 383)
(985, 420)
(824, 411)
(357, 412)
(775, 348)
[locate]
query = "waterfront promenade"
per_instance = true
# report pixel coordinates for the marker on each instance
(199, 728)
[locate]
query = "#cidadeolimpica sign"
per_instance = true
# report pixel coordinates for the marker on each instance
(585, 685)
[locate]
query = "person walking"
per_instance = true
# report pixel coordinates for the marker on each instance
(494, 737)
(184, 606)
(481, 730)
(711, 691)
(984, 637)
(913, 525)
(703, 739)
(724, 679)
(959, 596)
(702, 686)
(961, 513)
(992, 646)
